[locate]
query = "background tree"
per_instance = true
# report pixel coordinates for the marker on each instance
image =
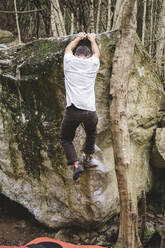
(151, 27)
(160, 44)
(53, 20)
(121, 69)
(98, 16)
(17, 22)
(57, 20)
(144, 21)
(110, 15)
(91, 17)
(117, 14)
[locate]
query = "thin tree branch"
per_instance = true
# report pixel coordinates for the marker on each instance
(21, 12)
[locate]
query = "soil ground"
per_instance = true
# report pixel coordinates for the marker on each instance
(17, 225)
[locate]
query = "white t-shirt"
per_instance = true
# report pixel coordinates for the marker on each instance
(80, 75)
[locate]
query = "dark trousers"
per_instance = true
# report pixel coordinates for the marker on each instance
(72, 119)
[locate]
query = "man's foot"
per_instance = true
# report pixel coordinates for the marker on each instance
(77, 171)
(89, 162)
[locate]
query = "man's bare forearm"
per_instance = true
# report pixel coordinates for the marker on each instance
(94, 46)
(95, 49)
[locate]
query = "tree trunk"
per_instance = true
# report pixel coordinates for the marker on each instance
(72, 24)
(98, 16)
(53, 20)
(61, 18)
(109, 16)
(122, 65)
(143, 216)
(163, 234)
(144, 21)
(160, 45)
(91, 17)
(57, 21)
(17, 22)
(117, 14)
(151, 28)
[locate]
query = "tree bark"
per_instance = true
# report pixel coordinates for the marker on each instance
(57, 21)
(160, 45)
(151, 28)
(17, 22)
(117, 14)
(109, 16)
(98, 16)
(91, 17)
(61, 17)
(72, 24)
(144, 21)
(53, 20)
(143, 216)
(122, 65)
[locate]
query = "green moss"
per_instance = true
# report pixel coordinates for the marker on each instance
(105, 42)
(37, 58)
(160, 230)
(147, 235)
(45, 48)
(151, 236)
(32, 114)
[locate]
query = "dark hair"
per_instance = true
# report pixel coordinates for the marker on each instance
(82, 50)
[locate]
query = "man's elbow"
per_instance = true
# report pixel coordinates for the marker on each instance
(68, 50)
(97, 54)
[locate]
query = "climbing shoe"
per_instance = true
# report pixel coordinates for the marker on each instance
(77, 171)
(90, 162)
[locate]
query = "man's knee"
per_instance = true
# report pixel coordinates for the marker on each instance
(64, 142)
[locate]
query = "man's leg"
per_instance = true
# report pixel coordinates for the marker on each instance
(69, 124)
(68, 129)
(90, 125)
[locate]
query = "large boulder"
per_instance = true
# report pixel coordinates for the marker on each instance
(33, 167)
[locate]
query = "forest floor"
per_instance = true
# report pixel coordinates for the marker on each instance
(17, 226)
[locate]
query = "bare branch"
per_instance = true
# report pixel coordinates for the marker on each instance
(21, 12)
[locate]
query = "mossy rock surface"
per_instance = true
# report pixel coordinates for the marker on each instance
(33, 166)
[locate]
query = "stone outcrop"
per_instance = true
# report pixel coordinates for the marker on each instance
(33, 169)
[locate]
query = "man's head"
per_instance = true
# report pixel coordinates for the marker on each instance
(83, 51)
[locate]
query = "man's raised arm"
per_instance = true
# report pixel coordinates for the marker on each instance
(94, 46)
(70, 47)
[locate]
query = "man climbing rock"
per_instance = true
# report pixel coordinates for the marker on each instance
(80, 72)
